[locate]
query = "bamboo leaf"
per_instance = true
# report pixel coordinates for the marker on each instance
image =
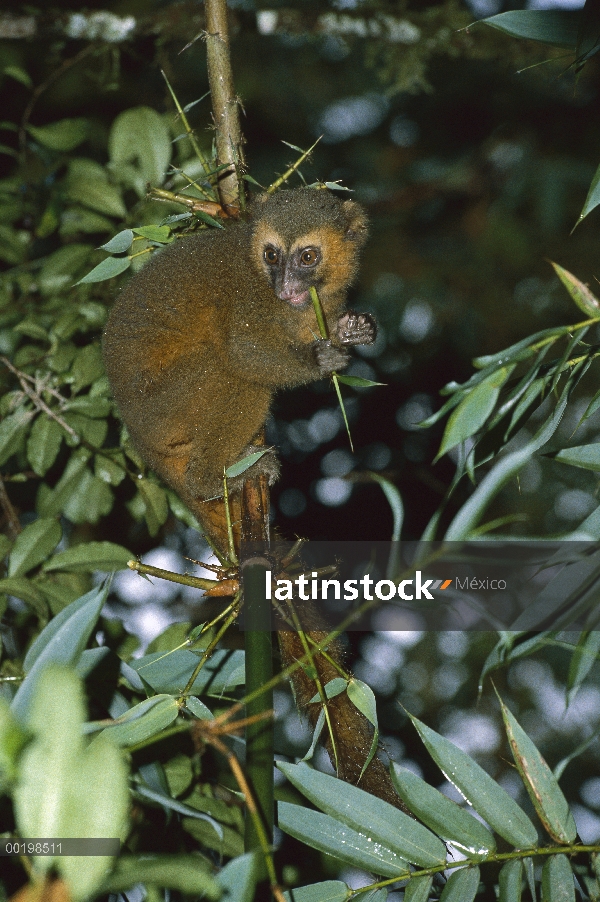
(593, 196)
(557, 880)
(328, 891)
(119, 243)
(417, 890)
(584, 658)
(579, 292)
(244, 464)
(485, 795)
(585, 456)
(107, 269)
(549, 26)
(473, 411)
(447, 819)
(326, 834)
(541, 784)
(367, 814)
(462, 886)
(62, 642)
(510, 881)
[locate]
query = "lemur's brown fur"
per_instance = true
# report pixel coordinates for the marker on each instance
(201, 338)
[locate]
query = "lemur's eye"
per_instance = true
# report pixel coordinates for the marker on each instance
(271, 256)
(308, 257)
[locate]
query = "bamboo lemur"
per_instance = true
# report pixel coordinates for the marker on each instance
(197, 344)
(200, 339)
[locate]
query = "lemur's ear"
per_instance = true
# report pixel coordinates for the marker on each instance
(356, 222)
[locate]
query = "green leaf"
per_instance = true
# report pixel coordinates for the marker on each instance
(96, 408)
(363, 698)
(198, 708)
(88, 183)
(358, 382)
(593, 196)
(12, 741)
(550, 26)
(87, 368)
(417, 890)
(140, 149)
(19, 75)
(510, 881)
(90, 556)
(12, 432)
(62, 136)
(238, 878)
(119, 243)
(148, 718)
(394, 499)
(585, 456)
(578, 291)
(485, 795)
(78, 495)
(324, 833)
(33, 545)
(328, 891)
(557, 880)
(185, 873)
(367, 814)
(244, 464)
(474, 410)
(43, 443)
(541, 784)
(334, 687)
(584, 657)
(470, 513)
(170, 673)
(108, 269)
(110, 471)
(447, 819)
(155, 503)
(62, 641)
(65, 788)
(160, 233)
(462, 886)
(57, 274)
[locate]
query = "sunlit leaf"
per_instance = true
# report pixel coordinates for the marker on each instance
(324, 833)
(367, 814)
(485, 795)
(447, 819)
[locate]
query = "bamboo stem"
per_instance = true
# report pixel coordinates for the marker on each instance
(224, 103)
